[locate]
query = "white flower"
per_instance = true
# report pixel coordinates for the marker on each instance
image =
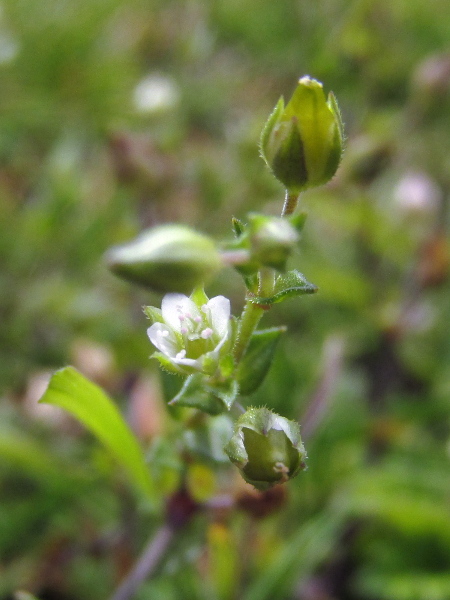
(192, 338)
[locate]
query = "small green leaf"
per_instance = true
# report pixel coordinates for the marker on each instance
(204, 394)
(292, 283)
(227, 391)
(88, 403)
(257, 359)
(194, 394)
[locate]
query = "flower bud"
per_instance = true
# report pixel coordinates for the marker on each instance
(169, 258)
(272, 240)
(266, 448)
(302, 143)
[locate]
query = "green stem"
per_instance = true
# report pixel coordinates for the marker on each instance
(290, 204)
(266, 282)
(252, 313)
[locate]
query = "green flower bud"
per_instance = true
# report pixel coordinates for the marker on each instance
(302, 143)
(272, 240)
(169, 258)
(266, 448)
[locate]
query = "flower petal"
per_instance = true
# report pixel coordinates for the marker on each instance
(218, 314)
(215, 354)
(163, 338)
(174, 306)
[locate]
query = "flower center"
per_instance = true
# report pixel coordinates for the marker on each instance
(196, 333)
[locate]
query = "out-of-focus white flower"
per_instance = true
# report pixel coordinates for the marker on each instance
(155, 93)
(9, 46)
(191, 338)
(417, 193)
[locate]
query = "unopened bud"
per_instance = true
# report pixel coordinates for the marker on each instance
(302, 143)
(169, 258)
(266, 448)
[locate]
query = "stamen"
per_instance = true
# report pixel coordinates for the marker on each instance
(198, 319)
(184, 330)
(207, 333)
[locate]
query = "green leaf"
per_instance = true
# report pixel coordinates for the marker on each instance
(227, 391)
(301, 555)
(257, 359)
(212, 398)
(292, 283)
(193, 394)
(71, 391)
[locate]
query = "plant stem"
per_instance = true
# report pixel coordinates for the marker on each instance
(252, 313)
(266, 282)
(147, 563)
(290, 204)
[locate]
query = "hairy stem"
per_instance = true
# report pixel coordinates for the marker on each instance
(252, 313)
(290, 204)
(266, 282)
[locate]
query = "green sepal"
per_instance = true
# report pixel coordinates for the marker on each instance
(251, 282)
(292, 283)
(257, 359)
(153, 313)
(332, 103)
(270, 124)
(212, 398)
(238, 226)
(167, 364)
(226, 366)
(199, 297)
(298, 221)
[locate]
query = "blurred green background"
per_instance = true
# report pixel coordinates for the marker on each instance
(116, 115)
